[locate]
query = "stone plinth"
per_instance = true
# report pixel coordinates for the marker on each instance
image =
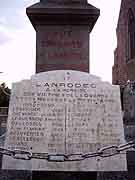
(63, 176)
(15, 175)
(62, 30)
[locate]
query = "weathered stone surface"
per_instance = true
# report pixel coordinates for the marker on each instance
(63, 175)
(112, 176)
(129, 104)
(129, 124)
(3, 121)
(131, 164)
(64, 1)
(62, 47)
(62, 33)
(15, 175)
(65, 112)
(129, 132)
(124, 66)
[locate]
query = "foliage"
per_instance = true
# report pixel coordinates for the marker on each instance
(4, 95)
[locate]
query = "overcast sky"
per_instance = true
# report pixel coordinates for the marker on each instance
(17, 40)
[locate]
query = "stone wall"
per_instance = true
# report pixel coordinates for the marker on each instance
(3, 120)
(112, 176)
(124, 66)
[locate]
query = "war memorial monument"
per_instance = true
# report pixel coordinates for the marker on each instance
(64, 122)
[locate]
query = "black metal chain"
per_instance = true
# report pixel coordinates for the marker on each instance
(103, 153)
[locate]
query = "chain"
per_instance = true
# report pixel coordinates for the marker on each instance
(103, 153)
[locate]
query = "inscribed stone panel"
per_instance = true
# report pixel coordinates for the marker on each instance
(65, 112)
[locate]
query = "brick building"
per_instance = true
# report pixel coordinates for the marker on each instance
(124, 55)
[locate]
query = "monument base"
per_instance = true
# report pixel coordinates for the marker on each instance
(63, 175)
(15, 175)
(41, 175)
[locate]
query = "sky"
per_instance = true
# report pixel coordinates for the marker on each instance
(18, 40)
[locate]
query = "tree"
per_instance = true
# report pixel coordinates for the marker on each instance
(4, 95)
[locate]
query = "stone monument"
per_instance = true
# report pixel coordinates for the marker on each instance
(62, 33)
(65, 114)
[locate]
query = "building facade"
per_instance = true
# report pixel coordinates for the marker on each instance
(124, 55)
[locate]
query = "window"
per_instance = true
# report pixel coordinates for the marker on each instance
(131, 35)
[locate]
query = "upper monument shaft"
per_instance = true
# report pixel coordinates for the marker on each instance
(62, 31)
(63, 1)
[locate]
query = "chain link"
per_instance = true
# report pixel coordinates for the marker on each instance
(108, 151)
(6, 151)
(103, 153)
(40, 155)
(129, 145)
(20, 154)
(75, 157)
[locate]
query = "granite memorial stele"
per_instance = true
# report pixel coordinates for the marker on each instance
(65, 112)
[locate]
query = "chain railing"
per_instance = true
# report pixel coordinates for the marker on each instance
(102, 152)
